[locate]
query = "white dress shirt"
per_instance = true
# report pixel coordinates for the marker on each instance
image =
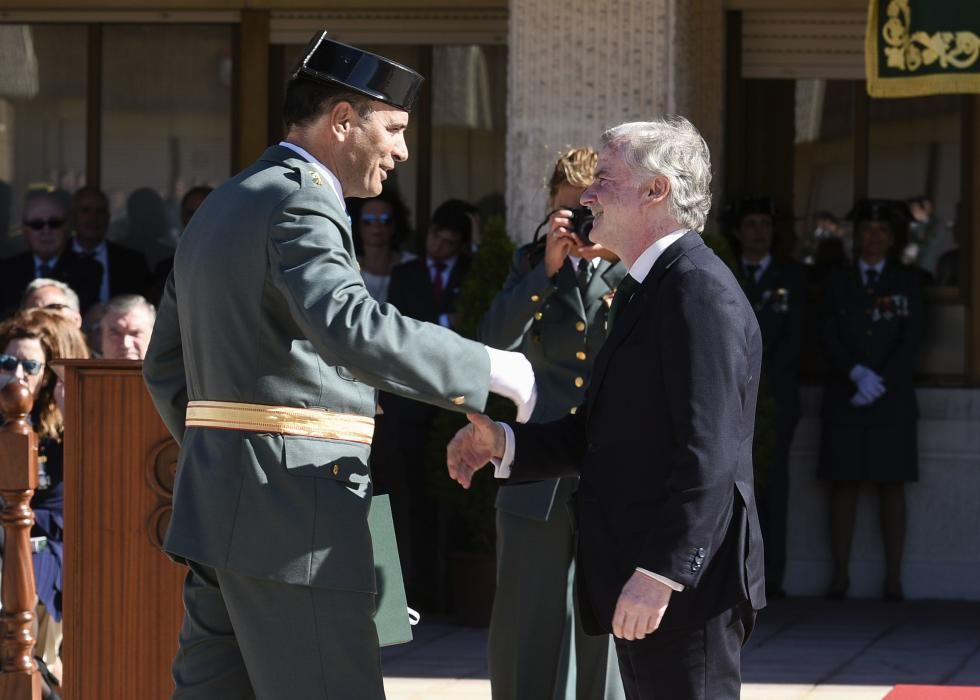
(760, 267)
(865, 267)
(101, 256)
(638, 271)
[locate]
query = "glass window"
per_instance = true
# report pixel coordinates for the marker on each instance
(823, 173)
(166, 125)
(42, 117)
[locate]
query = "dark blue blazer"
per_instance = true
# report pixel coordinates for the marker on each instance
(663, 445)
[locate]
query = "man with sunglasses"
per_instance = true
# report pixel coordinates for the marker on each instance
(263, 363)
(44, 293)
(46, 232)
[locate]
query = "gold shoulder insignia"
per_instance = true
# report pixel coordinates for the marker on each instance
(315, 177)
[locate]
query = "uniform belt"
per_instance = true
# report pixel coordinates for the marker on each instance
(288, 420)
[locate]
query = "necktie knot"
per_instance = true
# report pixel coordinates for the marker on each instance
(870, 277)
(623, 295)
(752, 273)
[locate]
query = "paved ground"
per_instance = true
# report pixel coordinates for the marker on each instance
(803, 648)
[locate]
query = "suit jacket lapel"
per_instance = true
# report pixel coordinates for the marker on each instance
(631, 314)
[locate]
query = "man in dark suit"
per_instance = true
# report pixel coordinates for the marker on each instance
(425, 289)
(669, 552)
(124, 271)
(50, 255)
(267, 379)
(776, 288)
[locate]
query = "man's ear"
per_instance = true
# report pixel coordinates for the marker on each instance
(341, 119)
(656, 189)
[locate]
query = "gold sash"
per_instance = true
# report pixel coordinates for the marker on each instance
(287, 420)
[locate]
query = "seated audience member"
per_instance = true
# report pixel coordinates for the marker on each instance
(124, 271)
(53, 295)
(126, 327)
(92, 327)
(871, 329)
(45, 227)
(380, 228)
(425, 289)
(29, 341)
(189, 204)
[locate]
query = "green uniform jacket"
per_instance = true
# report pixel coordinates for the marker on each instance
(560, 331)
(265, 305)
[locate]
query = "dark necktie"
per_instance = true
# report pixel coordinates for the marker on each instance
(45, 270)
(870, 278)
(752, 274)
(623, 295)
(437, 287)
(584, 274)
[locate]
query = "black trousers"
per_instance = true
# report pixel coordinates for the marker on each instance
(690, 663)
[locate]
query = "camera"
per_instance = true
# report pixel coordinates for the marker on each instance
(582, 221)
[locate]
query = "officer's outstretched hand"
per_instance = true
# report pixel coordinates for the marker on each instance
(473, 447)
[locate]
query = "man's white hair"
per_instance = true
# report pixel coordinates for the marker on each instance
(124, 303)
(674, 148)
(71, 299)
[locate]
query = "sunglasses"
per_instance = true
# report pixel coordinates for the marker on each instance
(8, 363)
(375, 218)
(39, 224)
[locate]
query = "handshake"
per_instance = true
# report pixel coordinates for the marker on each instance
(870, 386)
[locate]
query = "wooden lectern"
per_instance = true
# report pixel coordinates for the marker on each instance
(122, 595)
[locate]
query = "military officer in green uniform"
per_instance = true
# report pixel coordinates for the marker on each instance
(553, 308)
(263, 363)
(776, 287)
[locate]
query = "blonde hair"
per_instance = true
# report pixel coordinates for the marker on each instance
(59, 340)
(576, 167)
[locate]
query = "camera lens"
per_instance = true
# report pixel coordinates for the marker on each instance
(582, 221)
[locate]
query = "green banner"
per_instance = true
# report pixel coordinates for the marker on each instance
(922, 47)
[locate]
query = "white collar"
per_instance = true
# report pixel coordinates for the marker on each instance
(51, 262)
(864, 267)
(331, 178)
(100, 251)
(448, 262)
(641, 268)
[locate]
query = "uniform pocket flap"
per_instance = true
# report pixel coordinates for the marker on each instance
(325, 459)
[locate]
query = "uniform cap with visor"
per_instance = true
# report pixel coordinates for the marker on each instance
(332, 63)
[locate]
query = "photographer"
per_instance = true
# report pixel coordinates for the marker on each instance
(553, 307)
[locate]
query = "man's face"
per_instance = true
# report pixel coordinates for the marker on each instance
(375, 145)
(755, 235)
(45, 227)
(90, 214)
(876, 239)
(616, 201)
(125, 336)
(443, 244)
(54, 299)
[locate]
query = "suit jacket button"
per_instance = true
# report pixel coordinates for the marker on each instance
(336, 469)
(580, 326)
(580, 355)
(574, 408)
(459, 400)
(579, 382)
(535, 298)
(538, 316)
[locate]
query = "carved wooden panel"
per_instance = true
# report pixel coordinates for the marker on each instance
(122, 594)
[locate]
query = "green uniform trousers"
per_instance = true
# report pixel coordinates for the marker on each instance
(537, 648)
(244, 637)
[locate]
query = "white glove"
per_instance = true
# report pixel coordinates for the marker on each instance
(868, 382)
(512, 376)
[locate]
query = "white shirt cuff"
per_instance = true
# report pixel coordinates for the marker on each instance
(512, 376)
(501, 467)
(673, 585)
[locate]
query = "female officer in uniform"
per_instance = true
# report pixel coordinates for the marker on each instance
(871, 329)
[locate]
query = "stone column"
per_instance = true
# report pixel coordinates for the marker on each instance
(578, 67)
